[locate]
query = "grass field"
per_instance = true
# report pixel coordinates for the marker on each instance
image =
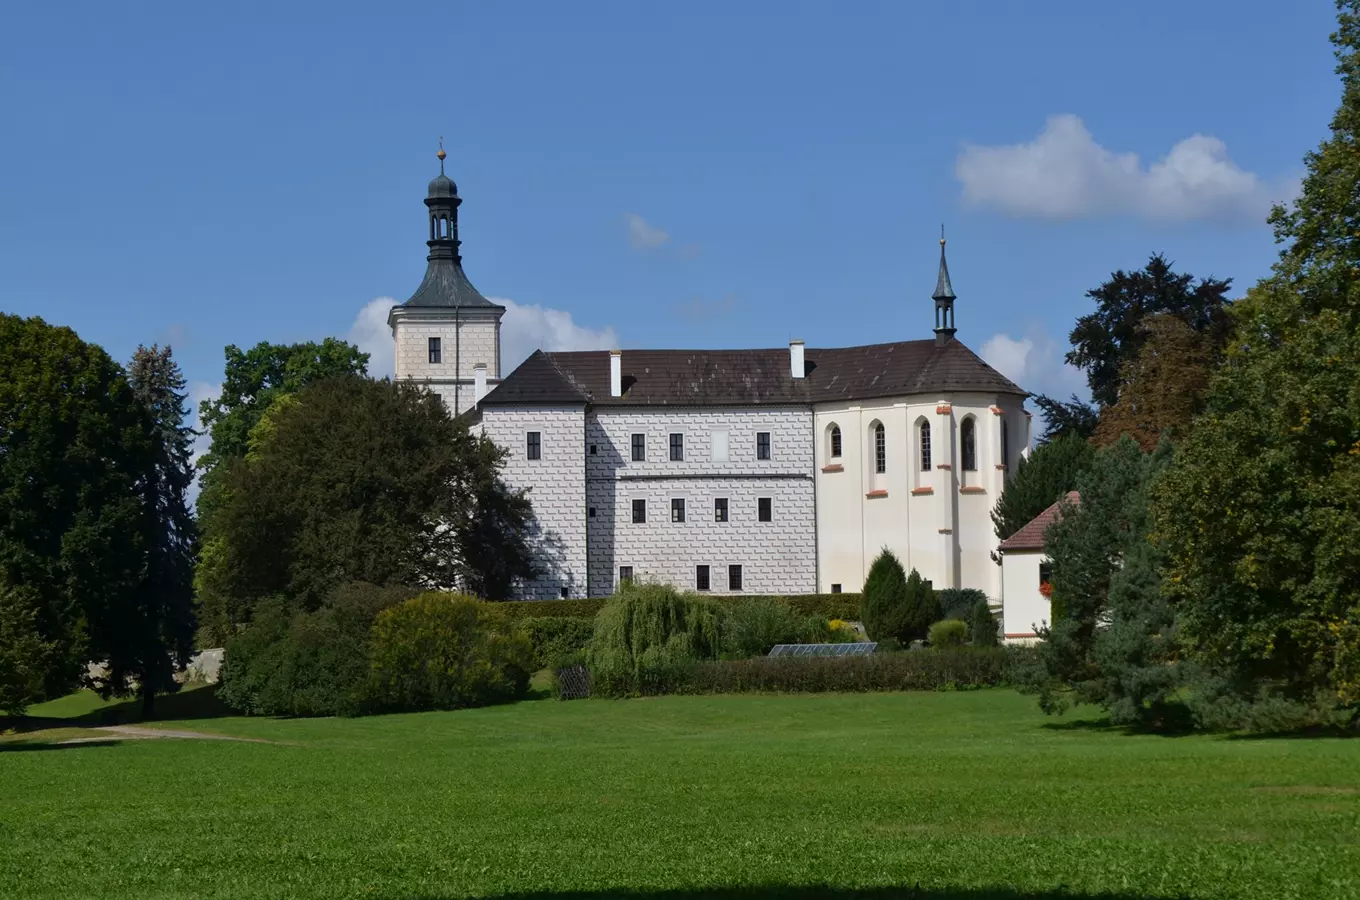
(969, 795)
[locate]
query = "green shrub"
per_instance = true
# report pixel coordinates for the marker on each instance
(922, 609)
(554, 638)
(755, 624)
(982, 625)
(646, 635)
(958, 603)
(883, 608)
(959, 668)
(551, 609)
(823, 606)
(446, 651)
(949, 633)
(314, 663)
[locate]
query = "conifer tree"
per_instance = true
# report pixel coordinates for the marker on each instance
(1040, 480)
(883, 605)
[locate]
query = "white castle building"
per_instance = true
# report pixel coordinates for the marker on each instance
(768, 471)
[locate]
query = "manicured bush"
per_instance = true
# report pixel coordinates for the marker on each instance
(826, 606)
(958, 603)
(314, 663)
(446, 651)
(646, 636)
(982, 625)
(949, 633)
(555, 638)
(961, 668)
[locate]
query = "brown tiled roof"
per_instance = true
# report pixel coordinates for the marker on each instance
(750, 377)
(1031, 536)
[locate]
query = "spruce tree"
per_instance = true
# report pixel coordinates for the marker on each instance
(1041, 480)
(922, 609)
(883, 605)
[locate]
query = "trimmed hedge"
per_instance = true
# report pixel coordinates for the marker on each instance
(555, 638)
(827, 606)
(963, 668)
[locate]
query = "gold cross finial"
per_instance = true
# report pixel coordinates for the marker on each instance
(441, 154)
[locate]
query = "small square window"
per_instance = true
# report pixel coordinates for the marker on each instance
(639, 511)
(593, 450)
(677, 510)
(720, 509)
(639, 448)
(734, 578)
(762, 445)
(625, 574)
(534, 448)
(677, 448)
(565, 593)
(835, 588)
(765, 509)
(701, 578)
(592, 512)
(436, 351)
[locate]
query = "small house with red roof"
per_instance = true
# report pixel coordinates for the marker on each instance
(1024, 576)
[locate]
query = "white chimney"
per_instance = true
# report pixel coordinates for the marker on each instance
(615, 373)
(796, 359)
(478, 382)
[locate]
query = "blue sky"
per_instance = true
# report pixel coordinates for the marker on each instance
(665, 175)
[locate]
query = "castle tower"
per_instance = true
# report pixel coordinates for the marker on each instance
(448, 336)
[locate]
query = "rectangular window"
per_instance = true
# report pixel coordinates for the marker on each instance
(734, 578)
(625, 574)
(677, 510)
(835, 442)
(719, 446)
(592, 450)
(436, 353)
(765, 511)
(592, 512)
(677, 448)
(639, 511)
(720, 509)
(762, 445)
(565, 593)
(835, 588)
(701, 578)
(639, 448)
(534, 450)
(1005, 444)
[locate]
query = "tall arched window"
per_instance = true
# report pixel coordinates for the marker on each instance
(968, 444)
(1005, 444)
(925, 446)
(880, 449)
(835, 442)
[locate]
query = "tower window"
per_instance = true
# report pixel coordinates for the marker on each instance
(734, 578)
(436, 351)
(765, 509)
(677, 510)
(925, 446)
(639, 448)
(534, 445)
(701, 578)
(880, 449)
(677, 448)
(835, 442)
(639, 512)
(762, 445)
(720, 509)
(968, 444)
(1005, 443)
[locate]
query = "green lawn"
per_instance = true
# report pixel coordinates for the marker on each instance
(971, 795)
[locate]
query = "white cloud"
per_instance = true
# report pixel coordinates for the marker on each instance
(1064, 174)
(642, 235)
(524, 329)
(1035, 363)
(371, 335)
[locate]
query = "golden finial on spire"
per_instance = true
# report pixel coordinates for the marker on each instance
(941, 229)
(441, 154)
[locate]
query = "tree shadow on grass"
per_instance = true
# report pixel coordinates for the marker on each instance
(785, 892)
(190, 703)
(22, 746)
(1185, 729)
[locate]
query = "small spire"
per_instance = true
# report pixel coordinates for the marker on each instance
(943, 289)
(441, 154)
